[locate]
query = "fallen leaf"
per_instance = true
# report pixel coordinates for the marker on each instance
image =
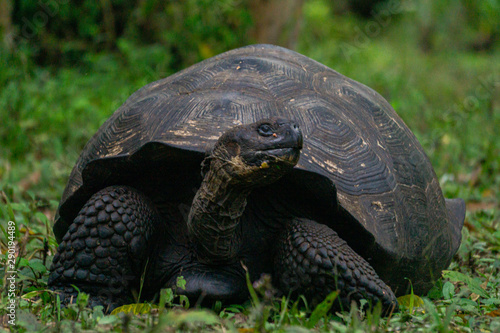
(488, 193)
(469, 226)
(475, 206)
(135, 308)
(494, 313)
(406, 300)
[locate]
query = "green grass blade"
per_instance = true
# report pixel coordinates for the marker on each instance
(322, 309)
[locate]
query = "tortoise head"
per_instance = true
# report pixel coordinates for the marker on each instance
(258, 154)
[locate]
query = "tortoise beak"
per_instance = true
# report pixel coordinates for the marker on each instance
(294, 136)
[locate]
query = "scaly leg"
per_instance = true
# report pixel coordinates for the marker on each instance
(106, 248)
(313, 260)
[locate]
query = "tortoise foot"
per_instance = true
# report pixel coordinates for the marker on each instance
(206, 285)
(105, 250)
(312, 260)
(98, 295)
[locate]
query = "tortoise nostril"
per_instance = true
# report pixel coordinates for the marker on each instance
(297, 134)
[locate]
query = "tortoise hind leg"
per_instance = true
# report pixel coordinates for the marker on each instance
(312, 260)
(106, 247)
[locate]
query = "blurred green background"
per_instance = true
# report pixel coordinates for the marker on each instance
(66, 66)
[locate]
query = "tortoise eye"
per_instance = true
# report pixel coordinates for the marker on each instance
(265, 130)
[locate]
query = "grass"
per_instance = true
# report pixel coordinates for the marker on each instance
(448, 97)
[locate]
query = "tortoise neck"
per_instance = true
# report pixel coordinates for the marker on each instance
(215, 215)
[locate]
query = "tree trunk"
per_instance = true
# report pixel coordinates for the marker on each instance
(276, 21)
(6, 33)
(109, 23)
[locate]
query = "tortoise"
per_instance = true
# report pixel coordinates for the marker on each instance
(257, 160)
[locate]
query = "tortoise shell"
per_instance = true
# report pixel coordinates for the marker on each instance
(362, 171)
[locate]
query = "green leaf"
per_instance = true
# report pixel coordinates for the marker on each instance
(436, 291)
(37, 266)
(431, 309)
(82, 300)
(28, 321)
(143, 278)
(468, 305)
(175, 318)
(5, 234)
(235, 308)
(10, 210)
(166, 297)
(41, 216)
(251, 290)
(473, 284)
(217, 307)
(184, 301)
(32, 294)
(109, 320)
(98, 312)
(410, 301)
(448, 290)
(23, 262)
(58, 307)
(20, 207)
(455, 276)
(283, 312)
(181, 283)
(322, 309)
(491, 301)
(135, 308)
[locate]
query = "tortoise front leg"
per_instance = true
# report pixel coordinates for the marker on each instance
(313, 260)
(106, 248)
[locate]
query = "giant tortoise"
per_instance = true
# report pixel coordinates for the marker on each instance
(260, 160)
